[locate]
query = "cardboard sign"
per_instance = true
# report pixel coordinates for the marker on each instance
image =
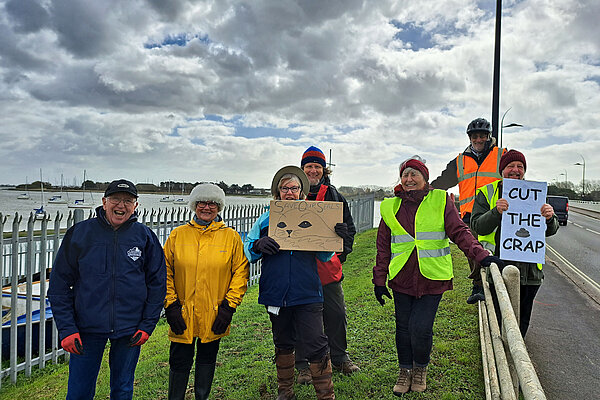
(523, 234)
(306, 225)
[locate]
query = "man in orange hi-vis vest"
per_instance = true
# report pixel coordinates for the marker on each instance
(477, 166)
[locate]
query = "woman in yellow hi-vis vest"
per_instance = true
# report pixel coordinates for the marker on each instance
(413, 256)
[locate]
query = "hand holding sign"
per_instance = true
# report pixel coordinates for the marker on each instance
(547, 211)
(502, 205)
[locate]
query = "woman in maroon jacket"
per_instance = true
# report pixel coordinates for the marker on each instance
(416, 297)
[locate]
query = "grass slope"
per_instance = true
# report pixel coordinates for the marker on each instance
(245, 369)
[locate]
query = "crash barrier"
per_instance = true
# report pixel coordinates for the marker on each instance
(29, 336)
(506, 363)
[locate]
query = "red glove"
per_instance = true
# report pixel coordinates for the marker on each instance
(72, 344)
(139, 338)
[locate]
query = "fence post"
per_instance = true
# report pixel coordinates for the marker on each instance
(77, 216)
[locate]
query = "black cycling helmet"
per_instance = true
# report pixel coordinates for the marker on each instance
(479, 125)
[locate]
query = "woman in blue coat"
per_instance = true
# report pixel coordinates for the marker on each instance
(291, 291)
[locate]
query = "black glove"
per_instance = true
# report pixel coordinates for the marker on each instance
(341, 229)
(381, 291)
(223, 318)
(492, 259)
(174, 318)
(266, 245)
(342, 257)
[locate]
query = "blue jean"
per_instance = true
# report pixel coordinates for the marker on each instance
(83, 369)
(414, 328)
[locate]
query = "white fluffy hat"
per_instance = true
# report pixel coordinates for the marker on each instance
(206, 192)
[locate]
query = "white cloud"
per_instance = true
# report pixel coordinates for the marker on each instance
(122, 88)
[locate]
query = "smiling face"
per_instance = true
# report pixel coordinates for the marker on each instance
(314, 172)
(290, 188)
(207, 210)
(478, 140)
(412, 179)
(119, 207)
(514, 170)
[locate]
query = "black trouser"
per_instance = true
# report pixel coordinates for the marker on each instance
(301, 328)
(414, 328)
(181, 355)
(334, 323)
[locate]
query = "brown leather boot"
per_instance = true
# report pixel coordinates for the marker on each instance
(403, 383)
(419, 379)
(285, 374)
(321, 377)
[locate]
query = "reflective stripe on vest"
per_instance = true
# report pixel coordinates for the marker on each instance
(431, 242)
(472, 176)
(491, 194)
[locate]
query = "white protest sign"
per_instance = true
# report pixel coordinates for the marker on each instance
(306, 225)
(523, 231)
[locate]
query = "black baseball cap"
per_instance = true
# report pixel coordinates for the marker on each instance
(121, 185)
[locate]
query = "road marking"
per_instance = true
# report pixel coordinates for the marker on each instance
(597, 233)
(577, 225)
(574, 268)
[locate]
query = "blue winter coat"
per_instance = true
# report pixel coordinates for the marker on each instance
(107, 282)
(287, 278)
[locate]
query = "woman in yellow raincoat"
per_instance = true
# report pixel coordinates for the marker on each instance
(207, 276)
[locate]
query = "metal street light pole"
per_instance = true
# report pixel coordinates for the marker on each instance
(496, 85)
(502, 126)
(582, 178)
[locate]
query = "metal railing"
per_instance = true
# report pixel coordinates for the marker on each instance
(26, 257)
(506, 362)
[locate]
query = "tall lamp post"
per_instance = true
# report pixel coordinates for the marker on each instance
(502, 126)
(582, 177)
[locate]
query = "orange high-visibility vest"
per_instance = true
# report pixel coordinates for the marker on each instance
(472, 176)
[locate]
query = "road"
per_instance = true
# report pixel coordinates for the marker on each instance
(564, 337)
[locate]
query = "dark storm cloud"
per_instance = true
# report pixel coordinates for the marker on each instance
(27, 15)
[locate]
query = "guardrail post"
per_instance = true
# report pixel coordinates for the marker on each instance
(77, 216)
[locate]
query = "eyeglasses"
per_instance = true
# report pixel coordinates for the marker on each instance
(293, 189)
(211, 204)
(126, 202)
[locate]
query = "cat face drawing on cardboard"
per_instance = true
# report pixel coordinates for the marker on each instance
(300, 226)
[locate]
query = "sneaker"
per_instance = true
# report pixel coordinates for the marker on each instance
(403, 383)
(419, 379)
(476, 295)
(346, 368)
(304, 377)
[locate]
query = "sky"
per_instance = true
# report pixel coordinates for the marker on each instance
(182, 90)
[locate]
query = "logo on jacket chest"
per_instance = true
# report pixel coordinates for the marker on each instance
(134, 253)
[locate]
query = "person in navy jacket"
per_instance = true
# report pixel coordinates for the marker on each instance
(108, 282)
(291, 291)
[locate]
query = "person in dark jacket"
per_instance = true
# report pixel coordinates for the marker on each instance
(290, 289)
(413, 255)
(108, 283)
(330, 272)
(476, 167)
(487, 219)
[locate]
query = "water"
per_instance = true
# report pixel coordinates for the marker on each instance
(9, 204)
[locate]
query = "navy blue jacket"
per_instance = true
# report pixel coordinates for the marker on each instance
(107, 282)
(287, 278)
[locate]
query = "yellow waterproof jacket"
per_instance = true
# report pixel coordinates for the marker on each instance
(205, 264)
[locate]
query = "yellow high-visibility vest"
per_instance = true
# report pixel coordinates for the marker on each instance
(431, 241)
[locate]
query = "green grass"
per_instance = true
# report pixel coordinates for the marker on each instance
(245, 369)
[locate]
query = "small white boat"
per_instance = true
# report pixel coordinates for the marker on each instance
(166, 199)
(81, 203)
(40, 213)
(58, 198)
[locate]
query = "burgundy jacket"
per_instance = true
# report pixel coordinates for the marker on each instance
(409, 280)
